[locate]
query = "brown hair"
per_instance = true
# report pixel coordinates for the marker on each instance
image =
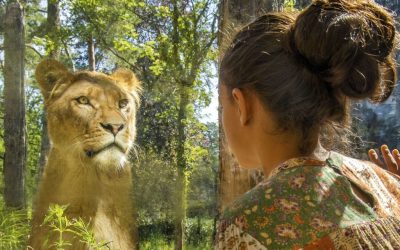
(305, 67)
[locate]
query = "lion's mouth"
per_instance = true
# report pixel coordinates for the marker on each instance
(92, 153)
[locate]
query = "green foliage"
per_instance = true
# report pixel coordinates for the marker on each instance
(34, 109)
(289, 4)
(14, 227)
(61, 225)
(155, 177)
(111, 24)
(153, 180)
(199, 232)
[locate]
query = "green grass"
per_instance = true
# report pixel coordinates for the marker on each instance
(198, 237)
(14, 228)
(159, 243)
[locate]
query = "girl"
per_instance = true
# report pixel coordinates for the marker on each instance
(286, 82)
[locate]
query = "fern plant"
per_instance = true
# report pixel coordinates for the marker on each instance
(60, 225)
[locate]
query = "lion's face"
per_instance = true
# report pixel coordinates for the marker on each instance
(92, 115)
(95, 120)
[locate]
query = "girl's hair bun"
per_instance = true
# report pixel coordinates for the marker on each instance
(349, 44)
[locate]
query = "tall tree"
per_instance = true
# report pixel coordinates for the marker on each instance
(180, 208)
(14, 105)
(53, 50)
(52, 28)
(187, 62)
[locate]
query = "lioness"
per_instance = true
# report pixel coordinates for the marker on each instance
(91, 124)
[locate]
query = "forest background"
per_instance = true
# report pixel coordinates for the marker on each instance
(183, 174)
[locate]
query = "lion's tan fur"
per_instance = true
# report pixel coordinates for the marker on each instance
(97, 189)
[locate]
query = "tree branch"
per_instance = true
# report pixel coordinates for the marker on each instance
(30, 46)
(68, 54)
(122, 58)
(115, 53)
(202, 12)
(39, 10)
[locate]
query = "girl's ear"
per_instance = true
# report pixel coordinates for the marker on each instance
(48, 73)
(243, 105)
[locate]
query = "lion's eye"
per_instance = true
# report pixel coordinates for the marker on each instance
(83, 100)
(123, 103)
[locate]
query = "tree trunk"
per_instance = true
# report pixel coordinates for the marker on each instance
(181, 181)
(233, 180)
(14, 106)
(91, 54)
(181, 164)
(2, 16)
(53, 25)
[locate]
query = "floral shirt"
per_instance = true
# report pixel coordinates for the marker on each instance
(311, 204)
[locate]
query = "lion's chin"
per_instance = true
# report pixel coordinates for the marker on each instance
(110, 159)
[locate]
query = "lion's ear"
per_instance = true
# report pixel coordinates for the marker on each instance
(47, 73)
(127, 79)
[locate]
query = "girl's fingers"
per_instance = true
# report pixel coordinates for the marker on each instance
(390, 162)
(373, 156)
(396, 156)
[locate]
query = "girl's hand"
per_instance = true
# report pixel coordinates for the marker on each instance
(391, 160)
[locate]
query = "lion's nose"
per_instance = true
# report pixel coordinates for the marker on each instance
(112, 127)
